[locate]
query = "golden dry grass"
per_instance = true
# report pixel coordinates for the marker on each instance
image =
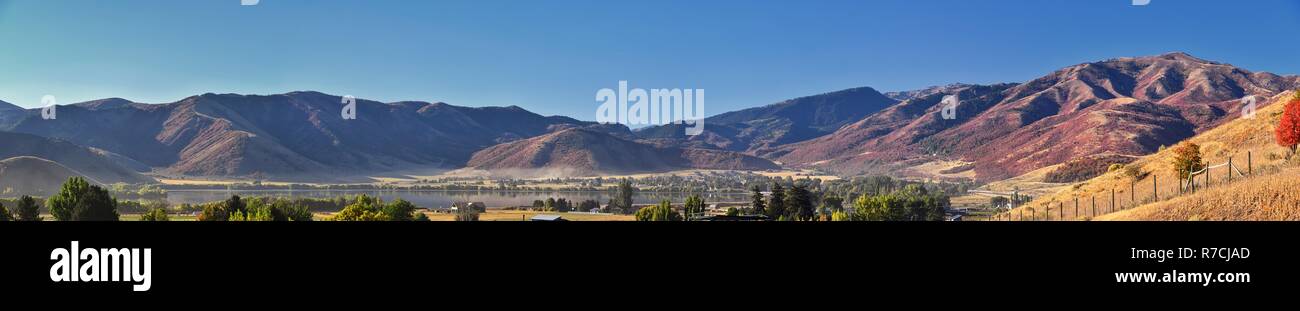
(499, 215)
(1272, 197)
(1233, 139)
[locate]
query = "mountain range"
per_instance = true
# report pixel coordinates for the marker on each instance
(1127, 106)
(298, 135)
(1123, 106)
(760, 130)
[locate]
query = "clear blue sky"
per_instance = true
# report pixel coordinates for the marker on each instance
(550, 56)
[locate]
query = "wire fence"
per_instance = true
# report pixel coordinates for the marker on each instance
(1144, 190)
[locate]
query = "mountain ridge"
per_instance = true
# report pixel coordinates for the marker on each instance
(1123, 105)
(587, 152)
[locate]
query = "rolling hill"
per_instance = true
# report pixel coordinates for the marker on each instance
(97, 165)
(586, 152)
(33, 176)
(1124, 106)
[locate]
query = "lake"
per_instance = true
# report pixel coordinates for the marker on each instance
(433, 198)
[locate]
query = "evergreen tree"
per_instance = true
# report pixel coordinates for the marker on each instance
(798, 203)
(235, 204)
(759, 206)
(27, 209)
(4, 214)
(625, 192)
(776, 203)
(96, 205)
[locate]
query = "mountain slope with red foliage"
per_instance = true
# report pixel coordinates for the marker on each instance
(1128, 106)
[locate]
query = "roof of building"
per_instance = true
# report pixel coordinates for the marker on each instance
(548, 218)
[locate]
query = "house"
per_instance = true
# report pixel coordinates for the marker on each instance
(547, 218)
(477, 207)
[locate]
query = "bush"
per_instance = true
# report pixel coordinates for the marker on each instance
(213, 212)
(157, 214)
(1086, 168)
(662, 212)
(4, 214)
(27, 210)
(467, 216)
(1187, 159)
(1115, 167)
(365, 209)
(399, 210)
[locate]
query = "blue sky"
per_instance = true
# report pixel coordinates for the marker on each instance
(551, 56)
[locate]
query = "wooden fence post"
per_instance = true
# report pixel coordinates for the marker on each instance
(1094, 205)
(1155, 189)
(1230, 168)
(1132, 193)
(1250, 167)
(1060, 208)
(1076, 207)
(1112, 200)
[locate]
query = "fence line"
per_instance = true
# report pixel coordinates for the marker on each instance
(1088, 208)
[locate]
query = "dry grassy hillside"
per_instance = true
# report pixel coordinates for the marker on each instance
(1268, 197)
(1234, 140)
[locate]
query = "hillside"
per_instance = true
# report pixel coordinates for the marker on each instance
(299, 135)
(586, 152)
(1274, 197)
(32, 176)
(1234, 139)
(760, 130)
(97, 165)
(9, 113)
(1125, 106)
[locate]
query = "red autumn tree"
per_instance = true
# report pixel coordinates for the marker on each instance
(1288, 131)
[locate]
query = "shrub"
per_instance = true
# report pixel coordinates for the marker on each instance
(1086, 168)
(27, 210)
(4, 214)
(157, 214)
(662, 212)
(1187, 159)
